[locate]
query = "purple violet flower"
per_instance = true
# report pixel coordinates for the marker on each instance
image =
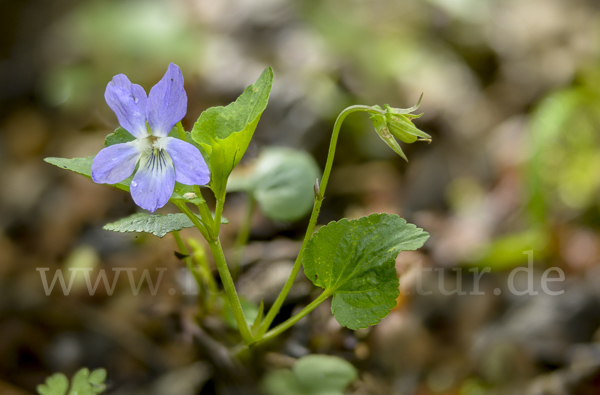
(162, 160)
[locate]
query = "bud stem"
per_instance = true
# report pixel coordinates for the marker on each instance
(311, 226)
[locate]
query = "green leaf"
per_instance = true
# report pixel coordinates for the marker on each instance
(157, 224)
(506, 252)
(324, 373)
(83, 166)
(119, 136)
(57, 384)
(311, 375)
(97, 376)
(224, 133)
(355, 262)
(82, 383)
(250, 309)
(282, 381)
(282, 182)
(285, 180)
(247, 109)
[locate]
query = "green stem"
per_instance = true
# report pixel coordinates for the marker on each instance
(243, 235)
(232, 296)
(204, 229)
(313, 218)
(219, 211)
(292, 320)
(217, 252)
(204, 211)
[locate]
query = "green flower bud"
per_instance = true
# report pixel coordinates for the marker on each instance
(397, 122)
(382, 130)
(402, 128)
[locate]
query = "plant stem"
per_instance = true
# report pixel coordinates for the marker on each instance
(217, 251)
(232, 296)
(243, 235)
(200, 225)
(292, 320)
(219, 211)
(313, 218)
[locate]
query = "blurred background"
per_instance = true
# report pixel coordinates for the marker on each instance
(512, 100)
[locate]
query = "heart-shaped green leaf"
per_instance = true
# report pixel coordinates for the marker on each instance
(311, 375)
(325, 374)
(282, 182)
(355, 262)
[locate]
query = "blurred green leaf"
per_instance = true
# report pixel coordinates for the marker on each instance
(564, 152)
(312, 375)
(506, 252)
(355, 262)
(57, 384)
(282, 183)
(157, 224)
(250, 309)
(82, 383)
(324, 373)
(282, 381)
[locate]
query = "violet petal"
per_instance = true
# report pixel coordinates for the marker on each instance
(190, 167)
(128, 101)
(154, 181)
(167, 102)
(115, 163)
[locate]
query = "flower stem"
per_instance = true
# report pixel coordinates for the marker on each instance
(217, 251)
(205, 214)
(232, 296)
(202, 226)
(219, 211)
(292, 320)
(313, 220)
